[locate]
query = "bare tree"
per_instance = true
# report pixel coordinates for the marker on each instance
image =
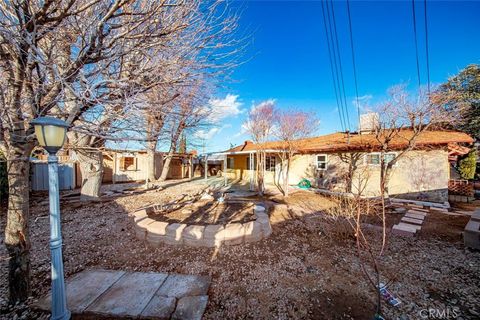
(401, 121)
(259, 125)
(77, 60)
(290, 127)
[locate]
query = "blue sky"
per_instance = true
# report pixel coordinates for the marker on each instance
(288, 57)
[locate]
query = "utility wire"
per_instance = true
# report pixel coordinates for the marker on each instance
(416, 42)
(341, 78)
(353, 60)
(332, 66)
(426, 45)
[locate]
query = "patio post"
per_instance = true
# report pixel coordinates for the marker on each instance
(206, 166)
(252, 171)
(190, 170)
(225, 170)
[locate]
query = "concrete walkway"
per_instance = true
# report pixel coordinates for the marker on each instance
(147, 295)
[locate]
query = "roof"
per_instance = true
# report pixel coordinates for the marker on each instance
(341, 141)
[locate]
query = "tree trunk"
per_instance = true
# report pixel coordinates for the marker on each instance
(166, 165)
(91, 167)
(173, 147)
(17, 238)
(285, 178)
(151, 147)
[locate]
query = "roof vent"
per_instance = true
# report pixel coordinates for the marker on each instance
(368, 122)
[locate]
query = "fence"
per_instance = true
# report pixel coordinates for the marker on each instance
(66, 176)
(461, 188)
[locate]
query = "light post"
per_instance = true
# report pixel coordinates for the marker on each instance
(51, 134)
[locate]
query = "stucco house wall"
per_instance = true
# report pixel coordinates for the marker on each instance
(421, 175)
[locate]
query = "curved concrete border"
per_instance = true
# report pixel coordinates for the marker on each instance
(214, 235)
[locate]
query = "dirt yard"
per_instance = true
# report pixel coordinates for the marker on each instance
(307, 269)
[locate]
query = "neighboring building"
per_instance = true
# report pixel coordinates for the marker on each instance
(422, 173)
(118, 167)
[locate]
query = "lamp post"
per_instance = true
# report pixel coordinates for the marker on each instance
(51, 134)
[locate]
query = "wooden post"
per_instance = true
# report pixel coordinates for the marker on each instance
(252, 171)
(225, 170)
(190, 170)
(206, 166)
(114, 169)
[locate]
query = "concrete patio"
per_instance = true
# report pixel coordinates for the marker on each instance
(148, 295)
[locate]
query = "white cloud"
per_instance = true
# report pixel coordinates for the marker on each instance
(208, 134)
(220, 109)
(363, 102)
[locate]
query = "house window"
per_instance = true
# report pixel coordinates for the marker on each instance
(128, 164)
(374, 158)
(230, 163)
(322, 162)
(270, 163)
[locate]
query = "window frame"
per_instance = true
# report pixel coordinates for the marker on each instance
(122, 166)
(268, 159)
(230, 163)
(325, 162)
(379, 159)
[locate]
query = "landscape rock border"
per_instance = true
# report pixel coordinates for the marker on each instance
(214, 235)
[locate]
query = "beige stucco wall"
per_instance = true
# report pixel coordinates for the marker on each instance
(138, 173)
(418, 174)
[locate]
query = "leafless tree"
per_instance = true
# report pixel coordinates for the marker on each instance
(401, 121)
(80, 61)
(290, 127)
(259, 125)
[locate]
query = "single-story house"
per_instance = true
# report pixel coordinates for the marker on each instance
(422, 173)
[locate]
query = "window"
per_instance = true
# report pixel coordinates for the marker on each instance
(230, 163)
(254, 167)
(128, 164)
(270, 163)
(322, 162)
(374, 158)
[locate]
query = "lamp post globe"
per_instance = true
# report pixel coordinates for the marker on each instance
(51, 133)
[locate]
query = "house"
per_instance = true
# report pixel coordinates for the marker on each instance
(420, 174)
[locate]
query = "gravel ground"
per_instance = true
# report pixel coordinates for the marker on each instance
(307, 269)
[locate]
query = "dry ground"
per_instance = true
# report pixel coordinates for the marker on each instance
(307, 269)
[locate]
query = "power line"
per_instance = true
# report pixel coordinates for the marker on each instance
(337, 52)
(416, 42)
(340, 110)
(426, 44)
(353, 59)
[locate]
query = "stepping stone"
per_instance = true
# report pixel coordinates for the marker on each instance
(159, 307)
(412, 220)
(415, 216)
(417, 212)
(179, 285)
(403, 230)
(190, 308)
(84, 288)
(111, 294)
(129, 295)
(408, 225)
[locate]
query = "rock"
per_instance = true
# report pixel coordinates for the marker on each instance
(207, 196)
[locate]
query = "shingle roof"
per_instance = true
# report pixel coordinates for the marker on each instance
(341, 141)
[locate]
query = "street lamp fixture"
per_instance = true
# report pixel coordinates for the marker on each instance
(51, 133)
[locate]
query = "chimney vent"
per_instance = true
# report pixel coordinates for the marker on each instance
(368, 122)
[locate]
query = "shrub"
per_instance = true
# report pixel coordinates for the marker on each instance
(468, 165)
